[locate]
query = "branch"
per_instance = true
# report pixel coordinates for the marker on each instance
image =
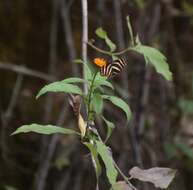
(107, 52)
(120, 39)
(47, 151)
(68, 34)
(6, 117)
(26, 71)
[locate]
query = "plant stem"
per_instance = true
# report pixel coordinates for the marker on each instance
(98, 49)
(126, 179)
(109, 53)
(90, 94)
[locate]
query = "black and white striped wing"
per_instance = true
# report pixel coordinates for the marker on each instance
(117, 66)
(106, 70)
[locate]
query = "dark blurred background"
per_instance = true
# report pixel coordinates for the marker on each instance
(38, 42)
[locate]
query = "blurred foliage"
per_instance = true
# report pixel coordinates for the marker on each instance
(25, 39)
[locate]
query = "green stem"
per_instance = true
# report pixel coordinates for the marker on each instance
(107, 52)
(126, 179)
(98, 49)
(90, 95)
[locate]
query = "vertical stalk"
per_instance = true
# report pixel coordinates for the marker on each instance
(90, 95)
(84, 37)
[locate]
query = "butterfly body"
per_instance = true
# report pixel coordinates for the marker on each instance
(113, 68)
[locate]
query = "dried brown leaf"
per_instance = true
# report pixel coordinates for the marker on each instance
(82, 125)
(160, 177)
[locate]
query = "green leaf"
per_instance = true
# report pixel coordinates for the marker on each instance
(155, 58)
(43, 129)
(94, 154)
(130, 30)
(111, 171)
(110, 126)
(102, 81)
(111, 45)
(97, 102)
(119, 103)
(60, 86)
(101, 33)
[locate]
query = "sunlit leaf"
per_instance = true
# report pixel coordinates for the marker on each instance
(130, 30)
(94, 154)
(160, 177)
(102, 81)
(155, 58)
(110, 126)
(101, 33)
(60, 86)
(44, 129)
(103, 151)
(97, 102)
(119, 103)
(111, 45)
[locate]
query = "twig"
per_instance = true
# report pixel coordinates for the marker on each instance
(26, 71)
(90, 95)
(68, 35)
(7, 116)
(126, 179)
(107, 52)
(84, 37)
(42, 172)
(45, 164)
(120, 38)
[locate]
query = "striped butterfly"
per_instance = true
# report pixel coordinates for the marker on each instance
(114, 68)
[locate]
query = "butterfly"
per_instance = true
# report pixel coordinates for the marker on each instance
(113, 68)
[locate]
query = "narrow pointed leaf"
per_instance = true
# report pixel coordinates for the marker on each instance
(111, 171)
(119, 103)
(101, 33)
(60, 86)
(110, 126)
(102, 81)
(43, 129)
(97, 102)
(111, 45)
(94, 154)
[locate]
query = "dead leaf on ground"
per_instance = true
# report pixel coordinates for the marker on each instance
(160, 177)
